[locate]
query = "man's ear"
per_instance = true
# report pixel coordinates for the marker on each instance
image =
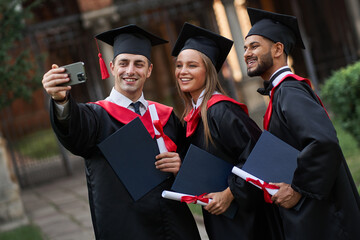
(149, 70)
(112, 67)
(278, 49)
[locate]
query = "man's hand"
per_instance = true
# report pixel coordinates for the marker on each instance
(286, 197)
(220, 202)
(168, 162)
(54, 77)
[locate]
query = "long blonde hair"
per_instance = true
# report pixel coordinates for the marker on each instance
(212, 84)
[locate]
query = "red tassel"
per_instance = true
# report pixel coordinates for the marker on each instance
(103, 68)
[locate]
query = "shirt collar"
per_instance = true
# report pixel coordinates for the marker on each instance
(200, 99)
(119, 99)
(276, 81)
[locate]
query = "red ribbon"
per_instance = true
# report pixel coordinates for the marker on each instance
(263, 186)
(169, 144)
(194, 199)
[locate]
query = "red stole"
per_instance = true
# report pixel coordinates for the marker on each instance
(125, 115)
(192, 118)
(269, 108)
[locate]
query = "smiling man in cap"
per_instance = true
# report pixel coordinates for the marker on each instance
(322, 201)
(81, 127)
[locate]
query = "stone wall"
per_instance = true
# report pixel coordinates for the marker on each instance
(12, 212)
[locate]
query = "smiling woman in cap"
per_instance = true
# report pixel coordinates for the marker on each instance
(219, 125)
(322, 201)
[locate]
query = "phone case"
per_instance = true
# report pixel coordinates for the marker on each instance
(76, 73)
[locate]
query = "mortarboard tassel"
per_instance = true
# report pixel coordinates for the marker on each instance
(103, 68)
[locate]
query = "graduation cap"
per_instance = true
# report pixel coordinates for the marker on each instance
(130, 39)
(214, 46)
(276, 27)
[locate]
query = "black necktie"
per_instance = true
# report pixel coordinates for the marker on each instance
(268, 84)
(136, 106)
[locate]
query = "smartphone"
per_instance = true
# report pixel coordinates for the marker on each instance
(76, 73)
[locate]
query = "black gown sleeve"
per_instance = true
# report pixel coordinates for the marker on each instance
(233, 131)
(320, 154)
(235, 135)
(79, 131)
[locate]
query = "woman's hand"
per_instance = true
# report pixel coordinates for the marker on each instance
(220, 202)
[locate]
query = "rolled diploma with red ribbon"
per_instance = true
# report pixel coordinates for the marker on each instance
(177, 196)
(244, 175)
(160, 141)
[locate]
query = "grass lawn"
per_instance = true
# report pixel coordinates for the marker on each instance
(38, 145)
(195, 209)
(22, 233)
(351, 152)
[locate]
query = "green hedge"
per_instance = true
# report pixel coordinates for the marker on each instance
(342, 92)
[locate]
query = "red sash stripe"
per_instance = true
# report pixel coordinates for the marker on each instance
(268, 112)
(192, 119)
(125, 115)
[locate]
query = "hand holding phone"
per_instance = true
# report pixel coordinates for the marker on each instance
(76, 73)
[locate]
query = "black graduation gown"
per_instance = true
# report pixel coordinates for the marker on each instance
(234, 134)
(330, 207)
(114, 214)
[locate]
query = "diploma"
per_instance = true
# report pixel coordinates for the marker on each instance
(160, 140)
(246, 176)
(127, 167)
(181, 196)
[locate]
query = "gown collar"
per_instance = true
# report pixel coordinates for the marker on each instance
(274, 80)
(279, 74)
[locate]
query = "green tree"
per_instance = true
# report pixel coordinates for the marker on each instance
(17, 67)
(342, 92)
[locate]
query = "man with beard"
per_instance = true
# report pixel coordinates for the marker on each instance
(81, 127)
(322, 201)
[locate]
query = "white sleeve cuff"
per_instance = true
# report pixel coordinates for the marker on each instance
(62, 110)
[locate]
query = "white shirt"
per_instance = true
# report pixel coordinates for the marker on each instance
(278, 78)
(200, 99)
(121, 100)
(62, 110)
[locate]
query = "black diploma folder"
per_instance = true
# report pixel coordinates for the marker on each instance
(272, 160)
(202, 172)
(131, 153)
